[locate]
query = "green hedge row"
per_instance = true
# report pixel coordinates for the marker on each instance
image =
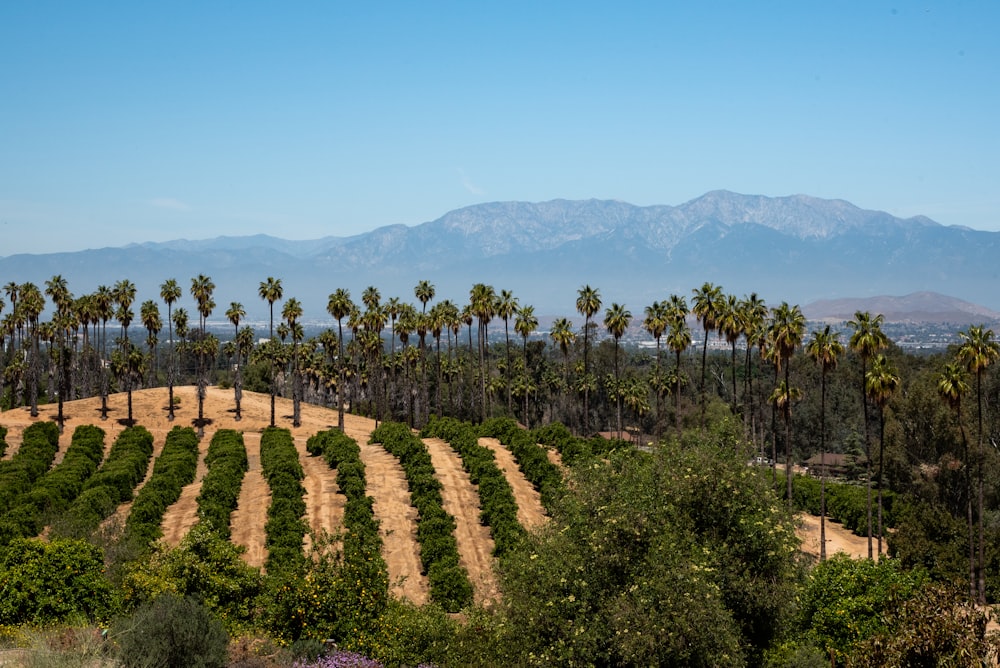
(449, 582)
(285, 528)
(498, 509)
(3, 440)
(226, 460)
(53, 493)
(531, 457)
(112, 485)
(39, 445)
(174, 468)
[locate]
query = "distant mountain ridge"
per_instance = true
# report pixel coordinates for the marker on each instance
(924, 307)
(797, 248)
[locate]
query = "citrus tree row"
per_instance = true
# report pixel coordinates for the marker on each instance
(285, 529)
(39, 445)
(54, 491)
(220, 489)
(174, 468)
(498, 509)
(449, 582)
(113, 484)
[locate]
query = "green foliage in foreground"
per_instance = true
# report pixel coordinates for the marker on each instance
(172, 631)
(46, 582)
(647, 554)
(39, 444)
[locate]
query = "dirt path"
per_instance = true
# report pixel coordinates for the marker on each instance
(324, 505)
(461, 498)
(838, 539)
(181, 515)
(250, 515)
(530, 512)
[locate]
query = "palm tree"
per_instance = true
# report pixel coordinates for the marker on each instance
(708, 303)
(291, 313)
(731, 326)
(880, 384)
(588, 303)
(655, 323)
(525, 324)
(149, 313)
(754, 315)
(782, 398)
(824, 348)
(270, 291)
(202, 288)
(563, 336)
(170, 292)
(678, 340)
(234, 314)
(424, 292)
(952, 386)
(616, 321)
(339, 306)
(483, 300)
(57, 290)
(867, 340)
(506, 307)
(788, 329)
(978, 351)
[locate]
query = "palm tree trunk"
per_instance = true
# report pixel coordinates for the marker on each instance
(868, 457)
(881, 459)
(822, 466)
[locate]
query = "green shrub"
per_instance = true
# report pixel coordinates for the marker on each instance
(285, 529)
(172, 631)
(47, 582)
(220, 489)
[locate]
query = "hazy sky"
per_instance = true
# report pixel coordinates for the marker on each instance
(134, 121)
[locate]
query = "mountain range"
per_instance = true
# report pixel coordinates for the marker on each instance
(798, 249)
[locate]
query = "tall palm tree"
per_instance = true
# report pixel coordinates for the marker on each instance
(708, 303)
(678, 340)
(291, 313)
(782, 398)
(424, 292)
(339, 306)
(149, 314)
(754, 315)
(588, 303)
(731, 327)
(788, 328)
(616, 321)
(506, 307)
(952, 387)
(563, 336)
(825, 349)
(880, 384)
(655, 323)
(58, 291)
(978, 351)
(866, 341)
(202, 288)
(170, 292)
(483, 300)
(234, 314)
(525, 324)
(270, 291)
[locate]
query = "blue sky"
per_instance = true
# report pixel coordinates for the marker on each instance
(125, 121)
